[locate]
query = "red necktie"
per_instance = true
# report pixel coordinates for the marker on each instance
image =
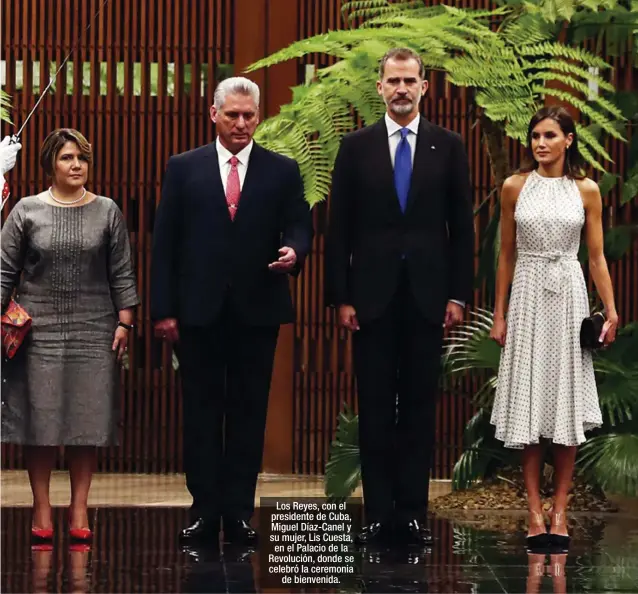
(232, 188)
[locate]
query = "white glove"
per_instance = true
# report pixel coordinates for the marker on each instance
(8, 155)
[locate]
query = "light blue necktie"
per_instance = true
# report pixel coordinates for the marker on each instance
(403, 169)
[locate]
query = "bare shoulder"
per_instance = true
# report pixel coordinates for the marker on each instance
(512, 187)
(589, 191)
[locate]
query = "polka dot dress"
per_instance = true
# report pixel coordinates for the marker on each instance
(546, 385)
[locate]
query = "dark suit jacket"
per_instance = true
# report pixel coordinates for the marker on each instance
(369, 235)
(200, 257)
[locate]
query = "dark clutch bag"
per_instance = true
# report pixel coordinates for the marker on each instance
(590, 331)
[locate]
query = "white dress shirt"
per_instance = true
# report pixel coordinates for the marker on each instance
(394, 137)
(224, 156)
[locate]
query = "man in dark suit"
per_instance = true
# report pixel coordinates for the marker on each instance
(399, 258)
(231, 224)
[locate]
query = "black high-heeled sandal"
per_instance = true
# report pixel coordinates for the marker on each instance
(538, 541)
(559, 542)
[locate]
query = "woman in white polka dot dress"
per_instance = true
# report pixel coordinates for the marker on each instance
(546, 385)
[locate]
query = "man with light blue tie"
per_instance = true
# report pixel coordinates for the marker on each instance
(399, 268)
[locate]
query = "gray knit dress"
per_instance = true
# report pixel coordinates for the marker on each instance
(72, 270)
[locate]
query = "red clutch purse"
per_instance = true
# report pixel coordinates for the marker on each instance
(16, 323)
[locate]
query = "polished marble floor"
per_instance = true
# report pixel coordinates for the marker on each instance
(136, 549)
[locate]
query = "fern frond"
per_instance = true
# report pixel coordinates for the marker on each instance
(380, 9)
(610, 107)
(476, 72)
(588, 138)
(567, 68)
(334, 43)
(351, 5)
(545, 76)
(5, 107)
(582, 149)
(364, 8)
(313, 161)
(527, 30)
(555, 9)
(581, 87)
(414, 12)
(563, 51)
(584, 107)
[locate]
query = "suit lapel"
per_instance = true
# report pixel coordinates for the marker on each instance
(251, 181)
(211, 177)
(423, 161)
(382, 164)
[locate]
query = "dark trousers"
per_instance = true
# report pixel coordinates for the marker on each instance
(226, 371)
(397, 355)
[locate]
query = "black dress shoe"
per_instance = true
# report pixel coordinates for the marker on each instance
(201, 530)
(374, 533)
(414, 533)
(239, 532)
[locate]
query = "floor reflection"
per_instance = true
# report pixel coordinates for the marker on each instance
(136, 550)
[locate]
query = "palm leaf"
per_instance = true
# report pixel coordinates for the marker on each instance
(611, 461)
(475, 462)
(343, 469)
(477, 427)
(469, 345)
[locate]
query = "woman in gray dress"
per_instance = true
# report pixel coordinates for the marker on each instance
(66, 259)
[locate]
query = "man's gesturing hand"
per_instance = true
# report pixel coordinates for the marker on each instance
(286, 262)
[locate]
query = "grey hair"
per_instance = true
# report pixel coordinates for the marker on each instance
(235, 84)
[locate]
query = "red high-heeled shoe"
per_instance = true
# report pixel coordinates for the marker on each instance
(41, 534)
(42, 547)
(81, 534)
(80, 547)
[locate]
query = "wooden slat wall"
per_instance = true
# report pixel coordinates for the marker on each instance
(134, 128)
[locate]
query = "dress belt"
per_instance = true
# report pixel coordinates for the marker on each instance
(556, 262)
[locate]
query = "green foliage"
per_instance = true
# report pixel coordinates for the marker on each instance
(5, 107)
(618, 240)
(343, 473)
(482, 453)
(555, 10)
(469, 348)
(610, 460)
(511, 69)
(628, 103)
(614, 30)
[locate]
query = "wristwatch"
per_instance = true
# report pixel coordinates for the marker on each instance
(127, 326)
